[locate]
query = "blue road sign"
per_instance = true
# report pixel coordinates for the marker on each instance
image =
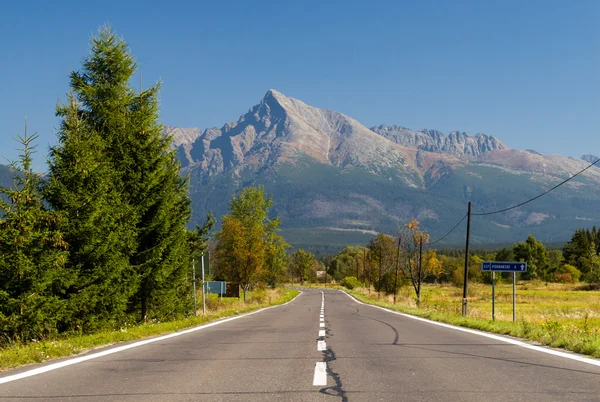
(500, 266)
(216, 287)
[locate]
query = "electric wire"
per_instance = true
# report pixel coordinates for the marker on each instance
(514, 206)
(451, 230)
(536, 197)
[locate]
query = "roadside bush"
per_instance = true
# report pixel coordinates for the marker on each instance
(563, 278)
(350, 282)
(567, 274)
(457, 277)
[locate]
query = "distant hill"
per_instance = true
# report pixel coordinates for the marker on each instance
(335, 181)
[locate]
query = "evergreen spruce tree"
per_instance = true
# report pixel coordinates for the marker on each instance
(99, 223)
(144, 171)
(33, 275)
(160, 196)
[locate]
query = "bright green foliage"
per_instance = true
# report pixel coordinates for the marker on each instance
(567, 274)
(248, 247)
(535, 255)
(276, 260)
(302, 265)
(33, 275)
(349, 262)
(584, 245)
(593, 273)
(351, 282)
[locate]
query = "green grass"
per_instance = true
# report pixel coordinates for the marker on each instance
(553, 315)
(16, 355)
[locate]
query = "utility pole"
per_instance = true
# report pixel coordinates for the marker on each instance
(203, 288)
(194, 279)
(420, 269)
(364, 267)
(466, 272)
(397, 267)
(380, 262)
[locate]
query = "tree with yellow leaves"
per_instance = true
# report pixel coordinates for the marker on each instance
(248, 243)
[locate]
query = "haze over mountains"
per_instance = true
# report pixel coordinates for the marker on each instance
(335, 180)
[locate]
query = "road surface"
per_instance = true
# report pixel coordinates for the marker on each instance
(323, 346)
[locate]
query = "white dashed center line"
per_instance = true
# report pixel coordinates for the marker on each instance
(320, 378)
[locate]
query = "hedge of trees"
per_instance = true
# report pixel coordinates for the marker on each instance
(388, 263)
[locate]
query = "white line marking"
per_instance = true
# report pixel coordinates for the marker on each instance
(321, 346)
(321, 316)
(320, 378)
(322, 325)
(541, 349)
(322, 332)
(50, 367)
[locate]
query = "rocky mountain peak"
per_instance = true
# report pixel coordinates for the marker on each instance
(456, 143)
(182, 135)
(590, 158)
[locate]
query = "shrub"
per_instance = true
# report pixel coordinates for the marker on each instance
(563, 278)
(567, 274)
(351, 282)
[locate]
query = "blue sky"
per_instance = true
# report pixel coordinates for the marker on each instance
(527, 72)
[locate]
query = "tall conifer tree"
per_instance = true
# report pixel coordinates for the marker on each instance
(144, 173)
(33, 275)
(98, 225)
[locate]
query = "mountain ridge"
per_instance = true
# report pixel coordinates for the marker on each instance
(332, 175)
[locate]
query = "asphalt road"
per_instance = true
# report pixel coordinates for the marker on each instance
(367, 354)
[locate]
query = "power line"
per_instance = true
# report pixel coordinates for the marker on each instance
(538, 196)
(452, 230)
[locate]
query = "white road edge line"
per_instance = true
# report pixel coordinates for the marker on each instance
(322, 332)
(321, 346)
(500, 338)
(54, 366)
(320, 378)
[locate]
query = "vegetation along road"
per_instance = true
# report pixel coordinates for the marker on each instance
(324, 345)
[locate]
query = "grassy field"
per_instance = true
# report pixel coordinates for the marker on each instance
(556, 315)
(16, 355)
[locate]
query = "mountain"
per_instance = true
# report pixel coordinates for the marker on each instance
(335, 181)
(5, 176)
(590, 158)
(456, 143)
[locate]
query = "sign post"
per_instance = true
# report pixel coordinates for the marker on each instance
(499, 266)
(514, 297)
(203, 288)
(493, 296)
(194, 278)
